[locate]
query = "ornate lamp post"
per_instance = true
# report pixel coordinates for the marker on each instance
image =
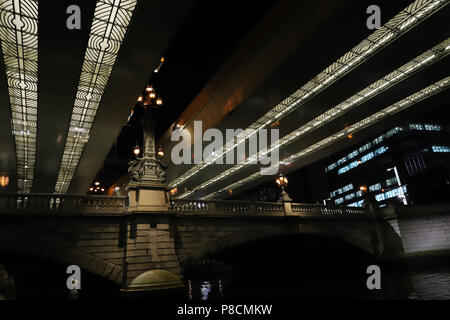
(282, 182)
(147, 190)
(148, 168)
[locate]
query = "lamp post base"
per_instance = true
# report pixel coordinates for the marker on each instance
(148, 197)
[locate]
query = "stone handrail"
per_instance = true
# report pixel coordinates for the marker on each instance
(39, 203)
(325, 210)
(227, 207)
(69, 204)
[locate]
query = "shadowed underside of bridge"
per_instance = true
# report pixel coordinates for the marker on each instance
(102, 237)
(121, 248)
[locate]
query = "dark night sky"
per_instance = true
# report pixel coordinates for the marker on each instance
(192, 59)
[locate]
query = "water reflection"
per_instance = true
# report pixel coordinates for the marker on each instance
(431, 285)
(205, 289)
(423, 285)
(210, 289)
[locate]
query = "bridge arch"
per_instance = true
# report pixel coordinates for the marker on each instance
(360, 237)
(52, 251)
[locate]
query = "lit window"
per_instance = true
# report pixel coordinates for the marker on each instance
(349, 196)
(375, 187)
(415, 126)
(380, 150)
(343, 170)
(391, 132)
(352, 155)
(433, 127)
(440, 149)
(353, 164)
(342, 160)
(347, 187)
(339, 201)
(332, 166)
(365, 147)
(390, 194)
(341, 190)
(391, 181)
(356, 204)
(378, 140)
(367, 157)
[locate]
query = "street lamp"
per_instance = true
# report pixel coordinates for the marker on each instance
(148, 168)
(160, 152)
(402, 194)
(282, 182)
(136, 150)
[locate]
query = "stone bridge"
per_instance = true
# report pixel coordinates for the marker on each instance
(101, 236)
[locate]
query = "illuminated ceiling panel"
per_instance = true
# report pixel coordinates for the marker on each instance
(370, 120)
(425, 59)
(19, 42)
(111, 20)
(404, 21)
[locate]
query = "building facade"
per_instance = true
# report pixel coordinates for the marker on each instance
(408, 164)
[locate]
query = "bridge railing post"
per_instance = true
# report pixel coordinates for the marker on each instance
(287, 208)
(212, 207)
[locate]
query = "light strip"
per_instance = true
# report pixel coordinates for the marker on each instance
(425, 59)
(404, 21)
(370, 120)
(109, 26)
(19, 42)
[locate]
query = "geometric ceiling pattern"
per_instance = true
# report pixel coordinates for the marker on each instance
(19, 43)
(404, 21)
(109, 26)
(425, 59)
(342, 134)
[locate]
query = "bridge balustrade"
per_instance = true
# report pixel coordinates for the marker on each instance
(67, 204)
(60, 204)
(227, 207)
(324, 210)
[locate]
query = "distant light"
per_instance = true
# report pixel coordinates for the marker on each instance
(116, 189)
(173, 191)
(149, 88)
(350, 136)
(363, 188)
(140, 98)
(103, 189)
(152, 95)
(4, 181)
(136, 151)
(159, 65)
(160, 152)
(281, 181)
(159, 101)
(97, 183)
(91, 189)
(230, 191)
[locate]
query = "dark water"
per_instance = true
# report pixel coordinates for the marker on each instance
(423, 285)
(287, 268)
(312, 268)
